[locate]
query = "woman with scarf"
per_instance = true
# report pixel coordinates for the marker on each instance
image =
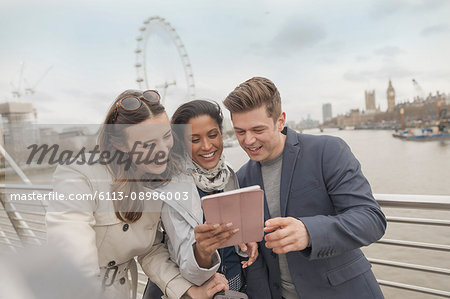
(201, 134)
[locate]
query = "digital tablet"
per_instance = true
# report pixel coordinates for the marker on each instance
(243, 207)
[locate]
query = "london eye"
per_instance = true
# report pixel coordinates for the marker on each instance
(162, 63)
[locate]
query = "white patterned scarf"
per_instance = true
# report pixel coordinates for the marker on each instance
(212, 179)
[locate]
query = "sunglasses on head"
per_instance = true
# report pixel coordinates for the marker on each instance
(133, 103)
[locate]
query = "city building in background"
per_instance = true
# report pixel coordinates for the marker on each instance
(308, 123)
(14, 118)
(370, 100)
(303, 124)
(327, 113)
(13, 113)
(390, 97)
(421, 111)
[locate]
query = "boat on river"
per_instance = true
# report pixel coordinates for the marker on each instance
(422, 134)
(438, 132)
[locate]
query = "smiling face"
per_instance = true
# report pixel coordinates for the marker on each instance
(205, 140)
(258, 135)
(149, 143)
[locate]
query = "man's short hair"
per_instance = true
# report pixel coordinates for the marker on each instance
(252, 94)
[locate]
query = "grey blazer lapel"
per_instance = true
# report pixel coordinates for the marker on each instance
(291, 154)
(259, 181)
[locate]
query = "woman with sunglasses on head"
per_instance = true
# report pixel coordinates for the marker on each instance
(211, 175)
(102, 237)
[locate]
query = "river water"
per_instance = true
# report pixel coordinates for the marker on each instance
(391, 165)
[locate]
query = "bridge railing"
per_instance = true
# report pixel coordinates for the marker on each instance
(421, 217)
(22, 224)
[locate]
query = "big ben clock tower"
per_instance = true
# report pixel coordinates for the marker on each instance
(390, 97)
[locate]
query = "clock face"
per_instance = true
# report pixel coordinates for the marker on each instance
(391, 93)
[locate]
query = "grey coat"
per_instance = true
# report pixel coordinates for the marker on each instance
(179, 218)
(322, 185)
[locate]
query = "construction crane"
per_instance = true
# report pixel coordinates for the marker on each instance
(17, 91)
(419, 90)
(32, 90)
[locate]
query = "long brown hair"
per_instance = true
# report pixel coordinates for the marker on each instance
(113, 136)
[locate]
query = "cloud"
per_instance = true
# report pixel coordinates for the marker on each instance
(297, 34)
(361, 58)
(74, 92)
(333, 47)
(388, 51)
(439, 74)
(428, 5)
(327, 60)
(72, 105)
(44, 97)
(385, 8)
(435, 29)
(385, 72)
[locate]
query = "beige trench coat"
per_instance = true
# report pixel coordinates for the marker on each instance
(101, 245)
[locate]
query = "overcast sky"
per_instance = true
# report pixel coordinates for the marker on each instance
(314, 51)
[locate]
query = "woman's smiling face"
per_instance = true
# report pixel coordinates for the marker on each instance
(149, 143)
(206, 141)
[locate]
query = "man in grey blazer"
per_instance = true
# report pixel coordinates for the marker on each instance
(318, 207)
